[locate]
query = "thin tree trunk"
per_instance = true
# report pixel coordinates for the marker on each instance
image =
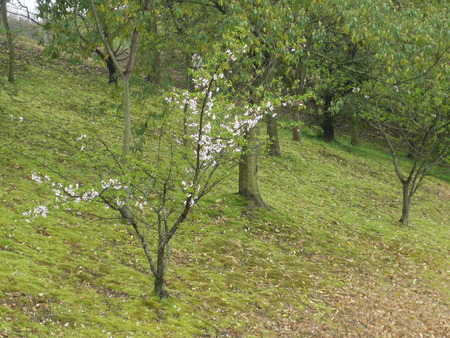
(155, 55)
(327, 120)
(272, 131)
(126, 114)
(328, 127)
(355, 133)
(125, 75)
(161, 271)
(190, 87)
(9, 37)
(155, 76)
(404, 220)
(296, 134)
(248, 169)
(411, 149)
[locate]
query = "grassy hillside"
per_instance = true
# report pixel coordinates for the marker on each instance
(326, 259)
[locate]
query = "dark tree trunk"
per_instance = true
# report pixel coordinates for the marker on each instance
(272, 131)
(411, 149)
(296, 135)
(9, 38)
(248, 169)
(155, 54)
(155, 76)
(404, 220)
(355, 133)
(161, 271)
(327, 125)
(112, 71)
(126, 115)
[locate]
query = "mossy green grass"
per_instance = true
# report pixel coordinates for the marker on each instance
(330, 234)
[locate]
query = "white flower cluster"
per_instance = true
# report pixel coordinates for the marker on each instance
(141, 205)
(291, 103)
(112, 183)
(90, 195)
(251, 117)
(11, 117)
(40, 179)
(216, 77)
(192, 201)
(197, 61)
(231, 55)
(76, 194)
(201, 83)
(41, 210)
(63, 193)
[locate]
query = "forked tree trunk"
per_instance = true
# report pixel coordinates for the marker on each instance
(248, 169)
(110, 65)
(112, 71)
(406, 206)
(10, 42)
(272, 131)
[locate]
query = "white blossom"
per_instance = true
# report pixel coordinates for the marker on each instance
(36, 178)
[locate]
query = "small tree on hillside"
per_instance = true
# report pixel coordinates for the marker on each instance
(155, 191)
(408, 99)
(415, 121)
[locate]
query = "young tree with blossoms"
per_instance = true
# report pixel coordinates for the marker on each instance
(154, 191)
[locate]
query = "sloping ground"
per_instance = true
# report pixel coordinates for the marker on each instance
(327, 258)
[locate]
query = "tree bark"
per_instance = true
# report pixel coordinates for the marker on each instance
(327, 125)
(154, 54)
(126, 114)
(404, 220)
(161, 271)
(9, 38)
(112, 71)
(248, 169)
(411, 149)
(125, 74)
(296, 134)
(355, 133)
(272, 131)
(190, 86)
